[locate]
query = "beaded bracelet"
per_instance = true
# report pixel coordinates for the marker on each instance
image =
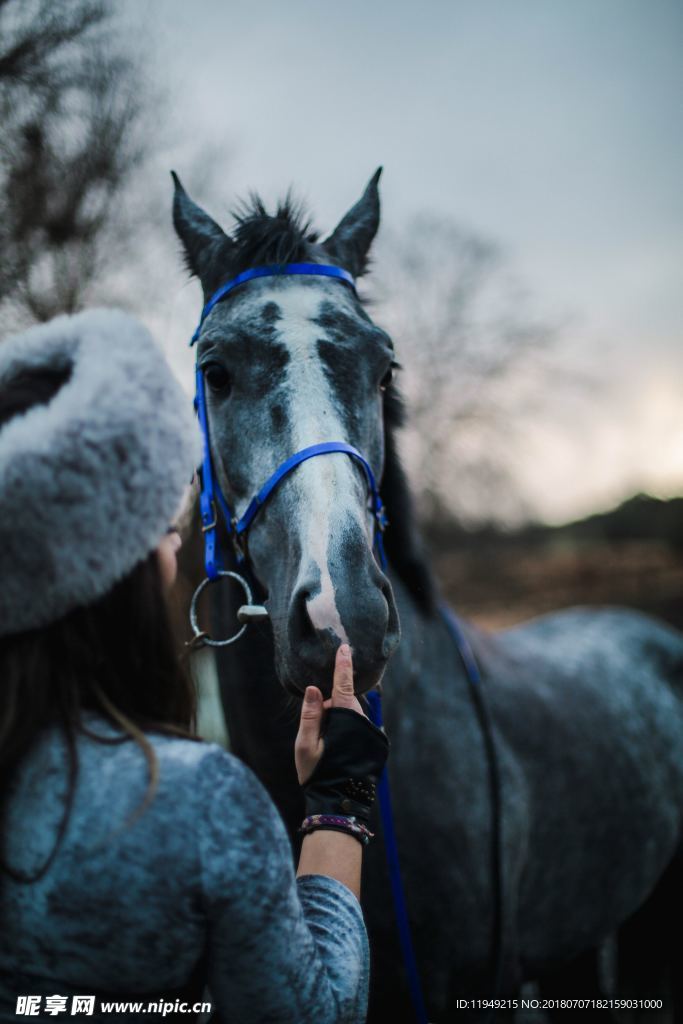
(337, 823)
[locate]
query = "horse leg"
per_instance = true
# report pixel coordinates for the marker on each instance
(650, 951)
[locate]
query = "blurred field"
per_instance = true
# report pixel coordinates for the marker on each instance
(632, 556)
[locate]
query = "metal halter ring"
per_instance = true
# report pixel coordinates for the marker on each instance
(200, 637)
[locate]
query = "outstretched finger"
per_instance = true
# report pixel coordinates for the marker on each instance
(342, 683)
(308, 746)
(311, 717)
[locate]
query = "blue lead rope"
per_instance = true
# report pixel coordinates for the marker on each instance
(463, 645)
(496, 798)
(391, 850)
(374, 700)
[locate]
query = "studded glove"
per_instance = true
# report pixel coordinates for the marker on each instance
(345, 778)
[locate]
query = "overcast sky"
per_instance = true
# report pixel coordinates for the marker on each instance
(550, 126)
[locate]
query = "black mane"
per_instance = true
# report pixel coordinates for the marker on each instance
(261, 238)
(402, 540)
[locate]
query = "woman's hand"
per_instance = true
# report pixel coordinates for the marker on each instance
(308, 747)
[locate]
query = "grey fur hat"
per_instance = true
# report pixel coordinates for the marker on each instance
(91, 479)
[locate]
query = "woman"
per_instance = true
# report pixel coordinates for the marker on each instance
(139, 864)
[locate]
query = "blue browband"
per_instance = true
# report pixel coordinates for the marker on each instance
(211, 496)
(306, 269)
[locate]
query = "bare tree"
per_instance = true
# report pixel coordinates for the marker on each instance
(73, 135)
(476, 365)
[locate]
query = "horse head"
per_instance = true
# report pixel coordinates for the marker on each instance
(288, 362)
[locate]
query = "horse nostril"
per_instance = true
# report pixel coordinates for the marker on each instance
(301, 629)
(313, 644)
(358, 604)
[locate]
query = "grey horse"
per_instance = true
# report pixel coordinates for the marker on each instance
(585, 704)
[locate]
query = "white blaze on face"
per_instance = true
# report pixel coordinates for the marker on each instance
(326, 485)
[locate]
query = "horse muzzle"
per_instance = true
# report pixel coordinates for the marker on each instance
(353, 605)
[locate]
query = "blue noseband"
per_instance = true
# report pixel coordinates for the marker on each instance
(211, 494)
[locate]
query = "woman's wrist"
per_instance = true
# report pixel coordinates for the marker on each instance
(334, 854)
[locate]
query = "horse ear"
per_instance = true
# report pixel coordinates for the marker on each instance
(351, 239)
(207, 247)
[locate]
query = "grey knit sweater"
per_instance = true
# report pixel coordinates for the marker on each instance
(199, 890)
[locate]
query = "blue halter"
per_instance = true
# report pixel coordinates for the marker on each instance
(211, 494)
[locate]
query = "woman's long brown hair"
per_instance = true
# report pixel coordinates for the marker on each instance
(117, 656)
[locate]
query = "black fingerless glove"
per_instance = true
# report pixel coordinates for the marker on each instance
(345, 778)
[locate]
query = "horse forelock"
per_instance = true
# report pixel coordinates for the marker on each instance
(260, 238)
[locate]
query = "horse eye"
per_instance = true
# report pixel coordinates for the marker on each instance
(217, 377)
(386, 379)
